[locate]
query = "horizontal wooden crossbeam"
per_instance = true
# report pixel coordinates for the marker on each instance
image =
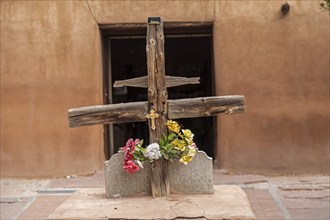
(170, 81)
(137, 111)
(205, 106)
(105, 114)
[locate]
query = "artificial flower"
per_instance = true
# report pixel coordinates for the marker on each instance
(179, 144)
(128, 156)
(131, 167)
(188, 135)
(186, 159)
(173, 126)
(130, 145)
(153, 152)
(192, 150)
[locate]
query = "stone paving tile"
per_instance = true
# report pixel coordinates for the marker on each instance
(43, 206)
(306, 198)
(263, 205)
(298, 180)
(96, 180)
(21, 187)
(308, 208)
(310, 214)
(306, 194)
(220, 177)
(306, 203)
(10, 207)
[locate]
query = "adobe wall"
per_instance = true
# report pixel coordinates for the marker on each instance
(281, 65)
(51, 61)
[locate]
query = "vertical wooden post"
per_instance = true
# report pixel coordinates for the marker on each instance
(157, 97)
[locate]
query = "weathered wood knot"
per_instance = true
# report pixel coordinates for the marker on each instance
(231, 110)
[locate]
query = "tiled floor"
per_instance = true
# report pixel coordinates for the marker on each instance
(289, 198)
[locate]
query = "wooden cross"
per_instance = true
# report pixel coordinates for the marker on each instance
(158, 109)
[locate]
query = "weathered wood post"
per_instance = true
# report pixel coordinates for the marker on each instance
(157, 96)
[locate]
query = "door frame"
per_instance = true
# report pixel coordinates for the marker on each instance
(138, 30)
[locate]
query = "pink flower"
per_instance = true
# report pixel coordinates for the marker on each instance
(131, 167)
(130, 145)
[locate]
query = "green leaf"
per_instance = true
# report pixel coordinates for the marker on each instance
(171, 136)
(174, 151)
(164, 137)
(161, 142)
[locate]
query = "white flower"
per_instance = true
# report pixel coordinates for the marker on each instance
(192, 150)
(153, 152)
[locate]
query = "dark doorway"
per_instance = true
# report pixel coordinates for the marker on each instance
(186, 55)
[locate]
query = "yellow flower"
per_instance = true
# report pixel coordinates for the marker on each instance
(173, 126)
(179, 144)
(186, 159)
(188, 135)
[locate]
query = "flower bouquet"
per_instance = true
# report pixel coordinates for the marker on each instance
(178, 144)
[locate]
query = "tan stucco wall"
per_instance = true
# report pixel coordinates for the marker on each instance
(51, 61)
(281, 65)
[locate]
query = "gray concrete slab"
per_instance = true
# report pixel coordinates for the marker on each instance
(227, 202)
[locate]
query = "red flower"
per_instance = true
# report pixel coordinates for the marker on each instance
(129, 149)
(131, 167)
(128, 156)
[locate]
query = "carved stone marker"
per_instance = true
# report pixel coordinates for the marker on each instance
(196, 177)
(157, 110)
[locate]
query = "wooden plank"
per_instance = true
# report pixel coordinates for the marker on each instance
(157, 97)
(170, 81)
(141, 82)
(205, 106)
(180, 108)
(105, 114)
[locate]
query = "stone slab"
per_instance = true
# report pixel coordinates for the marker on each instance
(42, 206)
(227, 202)
(196, 177)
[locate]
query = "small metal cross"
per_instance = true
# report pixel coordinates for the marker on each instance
(152, 115)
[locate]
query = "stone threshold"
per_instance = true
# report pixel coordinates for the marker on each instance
(228, 202)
